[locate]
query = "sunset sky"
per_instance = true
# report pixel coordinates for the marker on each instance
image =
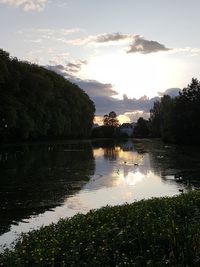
(123, 53)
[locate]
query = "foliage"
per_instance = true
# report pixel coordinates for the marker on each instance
(187, 114)
(156, 232)
(141, 129)
(38, 103)
(177, 119)
(161, 118)
(104, 132)
(111, 119)
(109, 127)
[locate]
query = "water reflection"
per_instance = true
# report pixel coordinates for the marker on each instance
(41, 183)
(172, 162)
(35, 178)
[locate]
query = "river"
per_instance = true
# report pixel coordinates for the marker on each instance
(42, 182)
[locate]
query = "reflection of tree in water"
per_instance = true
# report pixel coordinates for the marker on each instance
(111, 153)
(35, 178)
(112, 148)
(128, 160)
(179, 162)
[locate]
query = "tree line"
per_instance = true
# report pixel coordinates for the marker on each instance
(37, 103)
(177, 120)
(173, 119)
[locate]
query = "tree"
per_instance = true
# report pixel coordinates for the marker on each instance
(37, 103)
(111, 120)
(177, 120)
(186, 114)
(155, 120)
(141, 129)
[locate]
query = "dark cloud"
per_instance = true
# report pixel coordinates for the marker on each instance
(110, 37)
(68, 69)
(94, 88)
(102, 95)
(75, 67)
(59, 69)
(91, 87)
(141, 45)
(138, 44)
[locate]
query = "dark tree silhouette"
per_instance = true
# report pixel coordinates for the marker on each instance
(141, 129)
(111, 119)
(177, 119)
(38, 103)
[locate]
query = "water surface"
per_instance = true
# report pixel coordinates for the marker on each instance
(40, 183)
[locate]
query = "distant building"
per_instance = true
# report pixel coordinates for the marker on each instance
(126, 129)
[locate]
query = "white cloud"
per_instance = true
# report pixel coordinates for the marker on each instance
(192, 51)
(48, 32)
(46, 36)
(136, 114)
(26, 4)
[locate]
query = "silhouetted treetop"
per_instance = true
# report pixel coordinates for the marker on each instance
(177, 119)
(111, 119)
(38, 103)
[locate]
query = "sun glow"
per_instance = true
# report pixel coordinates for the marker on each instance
(122, 119)
(135, 75)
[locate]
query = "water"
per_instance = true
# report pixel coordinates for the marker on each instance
(40, 183)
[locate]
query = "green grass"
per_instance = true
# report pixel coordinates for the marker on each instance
(155, 232)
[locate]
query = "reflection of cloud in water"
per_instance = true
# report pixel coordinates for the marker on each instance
(98, 152)
(118, 154)
(120, 176)
(128, 166)
(75, 203)
(131, 178)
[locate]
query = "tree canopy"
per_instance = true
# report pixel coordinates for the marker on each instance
(141, 129)
(38, 103)
(111, 119)
(177, 119)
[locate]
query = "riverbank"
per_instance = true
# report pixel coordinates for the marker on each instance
(155, 232)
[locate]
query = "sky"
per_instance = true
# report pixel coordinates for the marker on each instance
(123, 53)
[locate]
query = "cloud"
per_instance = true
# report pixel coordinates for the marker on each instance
(104, 98)
(130, 107)
(26, 4)
(173, 92)
(141, 45)
(47, 34)
(110, 37)
(104, 95)
(68, 70)
(95, 89)
(136, 114)
(76, 66)
(192, 51)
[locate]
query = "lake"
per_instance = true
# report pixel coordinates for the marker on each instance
(42, 182)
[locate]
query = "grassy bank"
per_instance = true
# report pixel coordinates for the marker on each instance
(156, 232)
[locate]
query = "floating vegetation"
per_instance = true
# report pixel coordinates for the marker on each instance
(155, 232)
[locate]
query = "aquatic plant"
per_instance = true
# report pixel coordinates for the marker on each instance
(155, 232)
